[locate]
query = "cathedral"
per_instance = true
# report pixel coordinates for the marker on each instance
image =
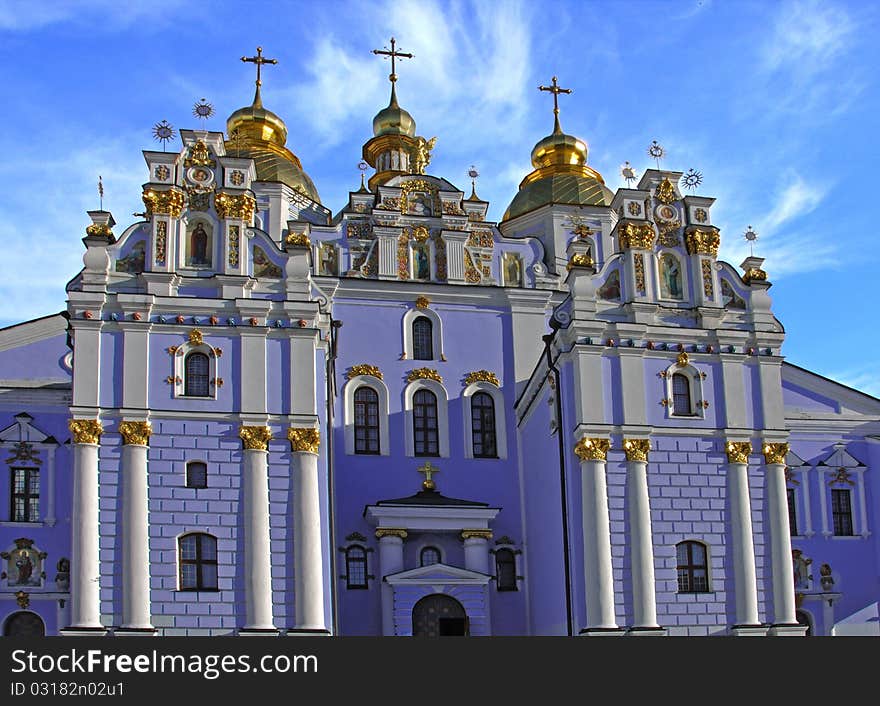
(258, 415)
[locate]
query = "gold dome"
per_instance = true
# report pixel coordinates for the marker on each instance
(561, 176)
(259, 134)
(394, 120)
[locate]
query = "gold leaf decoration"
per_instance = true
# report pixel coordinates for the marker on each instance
(302, 439)
(135, 433)
(363, 369)
(738, 451)
(775, 453)
(424, 374)
(85, 431)
(636, 449)
(255, 438)
(482, 376)
(588, 449)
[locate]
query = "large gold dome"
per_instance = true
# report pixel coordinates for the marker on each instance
(259, 134)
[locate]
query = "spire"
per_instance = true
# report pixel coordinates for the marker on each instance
(555, 90)
(259, 60)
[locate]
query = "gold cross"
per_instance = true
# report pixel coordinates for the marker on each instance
(259, 60)
(428, 470)
(393, 54)
(555, 90)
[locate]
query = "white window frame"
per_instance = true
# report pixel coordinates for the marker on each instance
(709, 568)
(500, 419)
(442, 415)
(436, 333)
(381, 390)
(695, 380)
(858, 504)
(180, 370)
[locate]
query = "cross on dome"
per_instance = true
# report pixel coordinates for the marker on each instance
(259, 60)
(555, 90)
(393, 54)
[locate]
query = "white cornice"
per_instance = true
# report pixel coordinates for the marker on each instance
(32, 331)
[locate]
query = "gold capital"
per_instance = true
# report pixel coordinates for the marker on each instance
(775, 453)
(255, 438)
(738, 451)
(636, 449)
(165, 202)
(636, 235)
(240, 206)
(704, 242)
(390, 532)
(299, 239)
(303, 439)
(85, 431)
(476, 534)
(135, 433)
(592, 449)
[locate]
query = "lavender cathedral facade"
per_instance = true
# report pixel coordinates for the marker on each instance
(257, 416)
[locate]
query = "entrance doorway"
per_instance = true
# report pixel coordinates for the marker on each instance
(24, 624)
(439, 615)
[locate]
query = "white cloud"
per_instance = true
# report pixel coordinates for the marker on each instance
(865, 378)
(26, 15)
(807, 36)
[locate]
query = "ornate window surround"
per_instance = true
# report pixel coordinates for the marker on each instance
(183, 350)
(21, 430)
(436, 332)
(381, 390)
(695, 379)
(826, 477)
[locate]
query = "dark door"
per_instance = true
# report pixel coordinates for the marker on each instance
(439, 615)
(24, 624)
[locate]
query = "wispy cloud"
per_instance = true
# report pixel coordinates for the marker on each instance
(25, 15)
(865, 378)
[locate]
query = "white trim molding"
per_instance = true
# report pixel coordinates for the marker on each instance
(442, 414)
(500, 418)
(381, 390)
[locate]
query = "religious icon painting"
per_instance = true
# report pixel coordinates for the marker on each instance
(199, 245)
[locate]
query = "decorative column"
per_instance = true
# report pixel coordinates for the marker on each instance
(308, 553)
(390, 562)
(745, 583)
(641, 545)
(135, 528)
(784, 619)
(476, 549)
(257, 554)
(598, 578)
(85, 591)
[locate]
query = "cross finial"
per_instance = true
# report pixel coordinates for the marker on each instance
(259, 60)
(429, 470)
(555, 90)
(393, 54)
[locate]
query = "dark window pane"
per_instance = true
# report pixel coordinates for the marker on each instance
(423, 339)
(366, 421)
(681, 394)
(792, 511)
(505, 568)
(430, 555)
(692, 569)
(196, 370)
(425, 430)
(209, 575)
(483, 426)
(196, 475)
(841, 509)
(24, 495)
(198, 562)
(356, 567)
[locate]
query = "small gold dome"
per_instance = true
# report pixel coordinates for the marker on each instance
(559, 148)
(259, 134)
(394, 120)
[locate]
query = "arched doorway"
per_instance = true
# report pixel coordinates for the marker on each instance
(439, 615)
(804, 618)
(24, 624)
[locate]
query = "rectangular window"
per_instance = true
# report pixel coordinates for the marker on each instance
(841, 511)
(792, 511)
(196, 475)
(24, 495)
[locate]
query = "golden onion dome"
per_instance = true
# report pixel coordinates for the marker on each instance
(394, 120)
(561, 176)
(259, 134)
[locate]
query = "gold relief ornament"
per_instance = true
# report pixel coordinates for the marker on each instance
(665, 191)
(580, 260)
(637, 235)
(255, 438)
(169, 202)
(424, 374)
(703, 242)
(708, 287)
(636, 449)
(774, 453)
(420, 234)
(634, 208)
(476, 534)
(391, 532)
(421, 155)
(304, 439)
(482, 376)
(738, 451)
(85, 431)
(135, 433)
(639, 265)
(363, 369)
(299, 239)
(99, 230)
(682, 360)
(23, 599)
(700, 215)
(423, 302)
(199, 156)
(195, 337)
(592, 449)
(240, 206)
(754, 274)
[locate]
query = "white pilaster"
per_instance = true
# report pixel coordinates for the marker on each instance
(476, 550)
(744, 572)
(135, 539)
(644, 596)
(780, 546)
(390, 562)
(257, 553)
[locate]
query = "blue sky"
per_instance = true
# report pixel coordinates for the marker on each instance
(774, 102)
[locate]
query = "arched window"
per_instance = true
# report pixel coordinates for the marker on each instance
(425, 433)
(366, 421)
(422, 336)
(196, 474)
(198, 562)
(693, 568)
(196, 367)
(681, 394)
(429, 555)
(356, 567)
(505, 570)
(483, 425)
